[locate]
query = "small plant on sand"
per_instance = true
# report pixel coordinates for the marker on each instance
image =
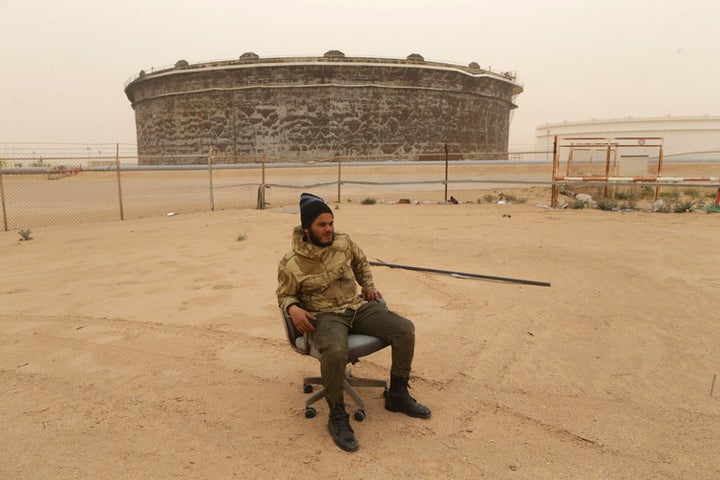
(241, 237)
(606, 204)
(630, 204)
(647, 192)
(25, 235)
(369, 201)
(631, 194)
(686, 206)
(677, 206)
(670, 195)
(692, 193)
(512, 198)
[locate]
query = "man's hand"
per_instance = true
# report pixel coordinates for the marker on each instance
(371, 294)
(301, 318)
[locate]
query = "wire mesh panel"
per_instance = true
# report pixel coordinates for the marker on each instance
(354, 179)
(633, 166)
(33, 199)
(235, 187)
(153, 193)
(587, 161)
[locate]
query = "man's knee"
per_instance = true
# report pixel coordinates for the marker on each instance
(335, 351)
(332, 349)
(330, 340)
(403, 326)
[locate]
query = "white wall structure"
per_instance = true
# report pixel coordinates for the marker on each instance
(696, 138)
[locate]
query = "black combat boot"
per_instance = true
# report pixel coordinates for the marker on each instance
(398, 399)
(339, 428)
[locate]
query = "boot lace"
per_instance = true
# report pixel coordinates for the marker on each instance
(340, 421)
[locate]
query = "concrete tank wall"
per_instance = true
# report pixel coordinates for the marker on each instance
(314, 108)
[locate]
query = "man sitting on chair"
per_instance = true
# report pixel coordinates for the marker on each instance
(317, 288)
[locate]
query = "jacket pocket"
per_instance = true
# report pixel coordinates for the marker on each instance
(314, 284)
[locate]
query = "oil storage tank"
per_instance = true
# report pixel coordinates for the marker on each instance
(311, 108)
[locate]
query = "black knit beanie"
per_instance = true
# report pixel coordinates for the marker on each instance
(311, 206)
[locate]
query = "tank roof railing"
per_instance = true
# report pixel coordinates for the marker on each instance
(252, 59)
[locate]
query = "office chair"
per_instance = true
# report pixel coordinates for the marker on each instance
(358, 346)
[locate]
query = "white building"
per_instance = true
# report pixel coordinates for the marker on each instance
(684, 137)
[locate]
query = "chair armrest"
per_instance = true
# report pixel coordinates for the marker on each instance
(306, 350)
(293, 334)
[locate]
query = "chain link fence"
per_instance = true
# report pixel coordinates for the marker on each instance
(104, 183)
(109, 182)
(32, 197)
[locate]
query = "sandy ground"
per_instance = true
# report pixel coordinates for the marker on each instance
(153, 348)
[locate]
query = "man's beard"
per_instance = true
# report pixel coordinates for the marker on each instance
(315, 240)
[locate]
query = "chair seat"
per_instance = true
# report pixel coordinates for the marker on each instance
(358, 346)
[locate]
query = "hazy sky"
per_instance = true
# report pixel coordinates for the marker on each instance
(64, 63)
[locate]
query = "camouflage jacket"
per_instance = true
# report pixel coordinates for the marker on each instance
(322, 279)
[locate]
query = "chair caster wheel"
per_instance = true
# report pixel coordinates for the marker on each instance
(310, 412)
(359, 415)
(307, 388)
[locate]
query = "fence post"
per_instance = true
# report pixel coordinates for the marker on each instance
(261, 188)
(117, 169)
(556, 163)
(210, 175)
(263, 167)
(446, 171)
(2, 198)
(659, 171)
(607, 168)
(339, 181)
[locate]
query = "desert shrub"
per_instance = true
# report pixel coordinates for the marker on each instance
(692, 193)
(369, 201)
(628, 205)
(631, 194)
(647, 192)
(662, 208)
(676, 207)
(607, 204)
(511, 198)
(684, 207)
(670, 195)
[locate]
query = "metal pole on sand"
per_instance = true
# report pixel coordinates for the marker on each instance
(461, 274)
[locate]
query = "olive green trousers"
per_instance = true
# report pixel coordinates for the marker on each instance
(372, 318)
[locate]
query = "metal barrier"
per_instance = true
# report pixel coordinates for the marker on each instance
(51, 188)
(610, 163)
